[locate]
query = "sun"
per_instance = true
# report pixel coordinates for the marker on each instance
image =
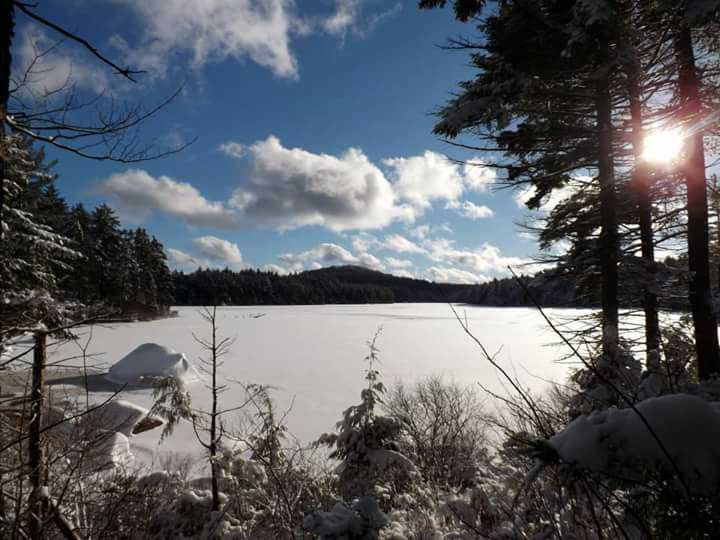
(663, 146)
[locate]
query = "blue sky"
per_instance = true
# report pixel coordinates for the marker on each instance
(313, 130)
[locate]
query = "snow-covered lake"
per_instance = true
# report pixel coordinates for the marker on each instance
(314, 355)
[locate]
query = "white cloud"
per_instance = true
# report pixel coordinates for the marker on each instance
(478, 176)
(403, 273)
(487, 258)
(393, 242)
(328, 254)
(44, 67)
(291, 187)
(549, 202)
(206, 31)
(420, 180)
(179, 260)
(275, 268)
(344, 18)
(138, 194)
(397, 242)
(364, 242)
(349, 18)
(470, 210)
(423, 179)
(233, 149)
(287, 188)
(392, 262)
(454, 275)
(218, 249)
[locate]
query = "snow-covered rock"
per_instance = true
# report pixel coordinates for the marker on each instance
(107, 450)
(618, 443)
(148, 361)
(121, 416)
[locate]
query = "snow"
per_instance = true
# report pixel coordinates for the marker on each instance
(615, 441)
(356, 521)
(312, 356)
(117, 415)
(109, 449)
(151, 360)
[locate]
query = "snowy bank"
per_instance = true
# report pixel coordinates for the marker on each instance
(149, 361)
(616, 442)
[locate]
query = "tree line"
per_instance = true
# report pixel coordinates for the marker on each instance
(101, 264)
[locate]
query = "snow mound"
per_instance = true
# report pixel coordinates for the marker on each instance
(121, 416)
(109, 449)
(617, 442)
(148, 361)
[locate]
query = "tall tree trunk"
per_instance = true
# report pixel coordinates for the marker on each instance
(701, 300)
(6, 35)
(7, 25)
(35, 452)
(213, 418)
(641, 184)
(7, 31)
(609, 243)
(716, 207)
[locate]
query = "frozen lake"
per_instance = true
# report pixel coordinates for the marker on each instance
(313, 356)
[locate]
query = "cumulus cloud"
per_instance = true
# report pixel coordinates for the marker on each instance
(470, 210)
(454, 275)
(403, 273)
(138, 194)
(478, 176)
(218, 249)
(400, 244)
(423, 179)
(487, 258)
(392, 262)
(291, 187)
(328, 254)
(523, 195)
(393, 242)
(180, 260)
(209, 252)
(274, 268)
(286, 188)
(233, 149)
(422, 232)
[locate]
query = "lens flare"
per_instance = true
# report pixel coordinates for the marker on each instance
(663, 146)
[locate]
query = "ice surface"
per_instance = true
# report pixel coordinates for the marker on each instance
(151, 360)
(314, 355)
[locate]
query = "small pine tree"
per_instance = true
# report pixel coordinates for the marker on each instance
(366, 444)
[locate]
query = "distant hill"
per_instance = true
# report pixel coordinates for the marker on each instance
(358, 285)
(404, 289)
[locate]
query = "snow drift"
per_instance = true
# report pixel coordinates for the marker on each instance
(148, 361)
(616, 442)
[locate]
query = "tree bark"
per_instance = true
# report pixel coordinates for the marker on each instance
(213, 418)
(36, 503)
(609, 241)
(7, 31)
(701, 300)
(641, 184)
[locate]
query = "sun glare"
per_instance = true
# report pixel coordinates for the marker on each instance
(663, 146)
